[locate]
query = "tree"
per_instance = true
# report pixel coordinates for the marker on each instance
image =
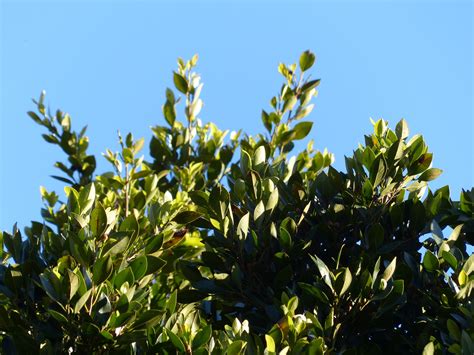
(239, 245)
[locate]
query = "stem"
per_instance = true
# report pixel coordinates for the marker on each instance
(127, 186)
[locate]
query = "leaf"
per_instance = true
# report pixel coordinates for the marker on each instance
(450, 259)
(245, 162)
(177, 342)
(376, 235)
(58, 316)
(401, 129)
(271, 348)
(259, 156)
(258, 213)
(87, 197)
(430, 261)
(388, 273)
(428, 349)
(202, 337)
(139, 267)
(289, 103)
(102, 269)
(60, 178)
(302, 129)
(172, 300)
(154, 264)
(323, 270)
(187, 217)
(307, 59)
(148, 319)
(468, 266)
(118, 247)
(125, 275)
(236, 347)
(430, 174)
(180, 83)
(98, 222)
(310, 85)
(243, 226)
(285, 239)
(82, 301)
(35, 117)
(129, 224)
(377, 175)
(73, 283)
(273, 200)
(169, 111)
(302, 112)
(347, 281)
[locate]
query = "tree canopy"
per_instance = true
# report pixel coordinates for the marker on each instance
(231, 243)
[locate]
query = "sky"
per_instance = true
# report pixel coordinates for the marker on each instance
(108, 64)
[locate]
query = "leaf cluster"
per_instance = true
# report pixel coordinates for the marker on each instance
(231, 243)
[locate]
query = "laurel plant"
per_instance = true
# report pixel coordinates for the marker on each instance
(229, 243)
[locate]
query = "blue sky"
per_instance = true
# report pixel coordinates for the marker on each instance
(108, 64)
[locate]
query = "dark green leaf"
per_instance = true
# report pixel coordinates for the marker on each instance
(180, 83)
(307, 59)
(302, 129)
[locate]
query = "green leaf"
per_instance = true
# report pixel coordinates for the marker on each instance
(324, 271)
(245, 162)
(430, 174)
(177, 342)
(428, 349)
(169, 111)
(98, 222)
(347, 281)
(35, 117)
(450, 259)
(172, 301)
(285, 239)
(367, 189)
(378, 174)
(430, 261)
(129, 224)
(302, 112)
(125, 275)
(388, 273)
(310, 85)
(202, 337)
(243, 226)
(376, 235)
(271, 348)
(468, 266)
(302, 129)
(307, 59)
(273, 200)
(73, 283)
(102, 269)
(58, 316)
(289, 103)
(258, 213)
(259, 156)
(82, 301)
(187, 217)
(402, 129)
(236, 347)
(139, 267)
(87, 197)
(180, 83)
(118, 247)
(154, 264)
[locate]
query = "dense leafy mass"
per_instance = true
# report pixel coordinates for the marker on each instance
(230, 243)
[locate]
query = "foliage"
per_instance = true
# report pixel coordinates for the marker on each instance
(235, 244)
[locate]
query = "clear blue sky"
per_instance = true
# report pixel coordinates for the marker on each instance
(108, 65)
